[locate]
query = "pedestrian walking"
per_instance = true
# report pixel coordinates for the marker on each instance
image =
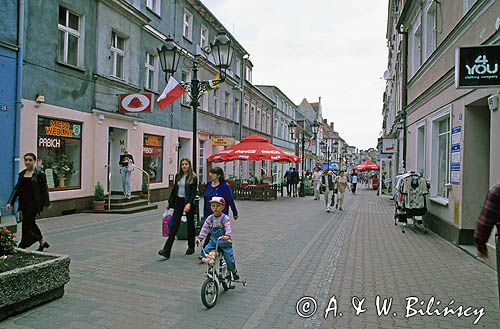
(126, 168)
(33, 194)
(490, 216)
(182, 201)
(316, 177)
(328, 183)
(342, 186)
(218, 187)
(288, 181)
(295, 181)
(354, 181)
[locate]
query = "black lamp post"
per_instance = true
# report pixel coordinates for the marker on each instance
(325, 148)
(301, 138)
(170, 54)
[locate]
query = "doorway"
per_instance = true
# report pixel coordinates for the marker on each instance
(117, 141)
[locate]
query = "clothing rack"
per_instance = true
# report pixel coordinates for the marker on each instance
(410, 200)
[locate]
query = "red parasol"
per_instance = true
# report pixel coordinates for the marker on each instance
(253, 148)
(367, 165)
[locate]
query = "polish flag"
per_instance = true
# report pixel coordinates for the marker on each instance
(170, 94)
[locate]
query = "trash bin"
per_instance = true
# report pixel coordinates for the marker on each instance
(182, 232)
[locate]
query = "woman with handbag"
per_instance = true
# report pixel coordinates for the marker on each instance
(126, 168)
(33, 194)
(182, 201)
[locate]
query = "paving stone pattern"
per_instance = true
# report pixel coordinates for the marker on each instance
(287, 249)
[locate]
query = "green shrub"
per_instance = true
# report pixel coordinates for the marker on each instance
(98, 192)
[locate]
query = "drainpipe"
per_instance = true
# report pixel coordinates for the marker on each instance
(404, 91)
(19, 88)
(242, 87)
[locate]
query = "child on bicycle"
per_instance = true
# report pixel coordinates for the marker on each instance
(219, 226)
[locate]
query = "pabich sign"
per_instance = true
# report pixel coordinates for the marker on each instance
(477, 67)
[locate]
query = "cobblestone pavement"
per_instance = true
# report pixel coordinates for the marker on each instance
(287, 249)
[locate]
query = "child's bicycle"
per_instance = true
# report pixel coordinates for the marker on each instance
(217, 275)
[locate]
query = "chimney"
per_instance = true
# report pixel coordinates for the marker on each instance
(331, 125)
(325, 121)
(320, 99)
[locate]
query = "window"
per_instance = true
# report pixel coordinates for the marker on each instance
(152, 157)
(203, 37)
(216, 102)
(150, 65)
(421, 150)
(430, 29)
(117, 55)
(187, 32)
(245, 115)
(59, 152)
(236, 107)
(201, 162)
(227, 105)
(416, 49)
(264, 122)
(468, 5)
(204, 102)
(238, 67)
(258, 120)
(440, 160)
(275, 128)
(248, 73)
(69, 37)
(283, 129)
(252, 117)
(268, 123)
(154, 5)
(186, 77)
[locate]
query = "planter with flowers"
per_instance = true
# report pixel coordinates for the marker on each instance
(62, 168)
(28, 278)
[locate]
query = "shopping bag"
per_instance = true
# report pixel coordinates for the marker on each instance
(165, 228)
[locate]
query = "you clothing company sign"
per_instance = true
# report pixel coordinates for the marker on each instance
(477, 67)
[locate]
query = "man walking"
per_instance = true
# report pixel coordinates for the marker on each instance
(288, 181)
(490, 216)
(317, 182)
(295, 181)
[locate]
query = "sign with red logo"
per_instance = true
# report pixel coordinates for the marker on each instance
(389, 145)
(135, 103)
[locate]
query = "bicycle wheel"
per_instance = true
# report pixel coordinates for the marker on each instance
(209, 293)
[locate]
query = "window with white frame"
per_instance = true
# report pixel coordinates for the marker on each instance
(252, 117)
(275, 127)
(203, 37)
(441, 155)
(468, 5)
(69, 27)
(238, 67)
(150, 65)
(186, 77)
(216, 102)
(227, 105)
(421, 150)
(118, 55)
(264, 122)
(430, 29)
(283, 129)
(204, 102)
(248, 73)
(236, 107)
(187, 31)
(416, 48)
(258, 120)
(245, 114)
(154, 5)
(201, 162)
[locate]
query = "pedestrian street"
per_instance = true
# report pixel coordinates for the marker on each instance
(287, 249)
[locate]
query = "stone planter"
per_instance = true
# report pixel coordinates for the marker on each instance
(29, 286)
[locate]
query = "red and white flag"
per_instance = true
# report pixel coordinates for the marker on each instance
(170, 94)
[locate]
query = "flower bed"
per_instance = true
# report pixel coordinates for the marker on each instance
(30, 278)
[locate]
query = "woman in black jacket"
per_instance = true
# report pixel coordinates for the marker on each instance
(182, 201)
(33, 194)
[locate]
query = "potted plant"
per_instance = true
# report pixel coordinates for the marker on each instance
(98, 197)
(63, 168)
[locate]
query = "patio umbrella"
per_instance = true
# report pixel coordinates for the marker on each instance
(253, 148)
(330, 165)
(367, 165)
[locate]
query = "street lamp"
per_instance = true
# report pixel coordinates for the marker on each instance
(325, 148)
(301, 138)
(170, 54)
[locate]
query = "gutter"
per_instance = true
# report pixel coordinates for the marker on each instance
(19, 89)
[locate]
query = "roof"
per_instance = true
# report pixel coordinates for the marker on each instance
(315, 106)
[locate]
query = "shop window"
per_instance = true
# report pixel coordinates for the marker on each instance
(59, 149)
(152, 157)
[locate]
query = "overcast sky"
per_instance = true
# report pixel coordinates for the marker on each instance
(335, 49)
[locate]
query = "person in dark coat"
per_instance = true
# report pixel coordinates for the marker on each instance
(182, 201)
(295, 181)
(288, 181)
(33, 194)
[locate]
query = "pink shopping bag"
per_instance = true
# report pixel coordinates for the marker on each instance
(165, 229)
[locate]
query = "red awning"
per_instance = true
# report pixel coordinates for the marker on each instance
(367, 165)
(253, 148)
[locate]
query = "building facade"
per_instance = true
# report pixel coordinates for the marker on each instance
(452, 135)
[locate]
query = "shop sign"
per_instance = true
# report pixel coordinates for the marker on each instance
(135, 103)
(389, 145)
(477, 67)
(154, 141)
(222, 141)
(61, 128)
(456, 152)
(49, 142)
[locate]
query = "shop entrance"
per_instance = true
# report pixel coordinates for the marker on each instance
(476, 172)
(117, 141)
